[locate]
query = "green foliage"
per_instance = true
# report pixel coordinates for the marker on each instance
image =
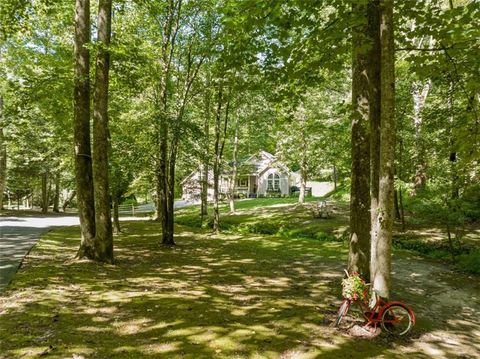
(470, 261)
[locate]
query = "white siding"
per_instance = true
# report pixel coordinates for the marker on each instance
(263, 181)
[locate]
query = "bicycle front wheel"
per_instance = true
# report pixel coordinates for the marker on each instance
(342, 312)
(397, 319)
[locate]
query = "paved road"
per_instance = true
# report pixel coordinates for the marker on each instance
(19, 234)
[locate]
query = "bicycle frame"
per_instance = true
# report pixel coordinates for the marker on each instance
(373, 316)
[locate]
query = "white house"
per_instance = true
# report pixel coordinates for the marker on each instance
(260, 174)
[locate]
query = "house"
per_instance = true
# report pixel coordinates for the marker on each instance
(258, 175)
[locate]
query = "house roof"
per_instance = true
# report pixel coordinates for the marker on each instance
(261, 161)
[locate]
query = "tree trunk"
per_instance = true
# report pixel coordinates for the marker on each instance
(116, 220)
(334, 177)
(68, 200)
(103, 218)
(375, 110)
(397, 207)
(303, 183)
(402, 211)
(363, 39)
(168, 238)
(235, 169)
(206, 130)
(303, 163)
(419, 98)
(83, 159)
(45, 192)
(56, 197)
(3, 155)
(383, 224)
(216, 165)
(453, 153)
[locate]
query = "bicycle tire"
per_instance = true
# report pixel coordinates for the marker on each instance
(397, 319)
(342, 312)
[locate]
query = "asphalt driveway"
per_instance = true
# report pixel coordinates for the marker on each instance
(18, 235)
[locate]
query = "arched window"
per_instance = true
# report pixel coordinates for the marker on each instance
(273, 182)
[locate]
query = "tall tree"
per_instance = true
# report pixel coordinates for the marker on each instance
(419, 94)
(3, 154)
(219, 145)
(103, 220)
(233, 178)
(363, 40)
(83, 157)
(383, 224)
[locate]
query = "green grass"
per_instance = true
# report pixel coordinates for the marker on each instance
(233, 295)
(211, 296)
(274, 216)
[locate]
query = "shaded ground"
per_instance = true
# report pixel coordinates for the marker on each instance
(228, 296)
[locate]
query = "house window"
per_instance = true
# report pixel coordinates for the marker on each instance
(242, 182)
(273, 182)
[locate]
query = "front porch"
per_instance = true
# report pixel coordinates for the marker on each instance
(247, 186)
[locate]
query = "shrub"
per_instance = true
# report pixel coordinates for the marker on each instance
(130, 201)
(257, 228)
(470, 262)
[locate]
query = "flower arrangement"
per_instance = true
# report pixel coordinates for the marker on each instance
(354, 287)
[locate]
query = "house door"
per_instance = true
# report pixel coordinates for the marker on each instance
(253, 184)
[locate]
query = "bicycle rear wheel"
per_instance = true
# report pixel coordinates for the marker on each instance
(397, 319)
(342, 312)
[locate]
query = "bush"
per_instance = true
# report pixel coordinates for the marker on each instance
(129, 201)
(257, 228)
(470, 262)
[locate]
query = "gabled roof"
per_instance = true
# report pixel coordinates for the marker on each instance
(261, 161)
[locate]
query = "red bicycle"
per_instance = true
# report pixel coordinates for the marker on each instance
(394, 317)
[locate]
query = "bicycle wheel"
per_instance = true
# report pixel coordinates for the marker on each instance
(342, 312)
(397, 319)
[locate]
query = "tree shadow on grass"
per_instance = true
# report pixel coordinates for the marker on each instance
(220, 296)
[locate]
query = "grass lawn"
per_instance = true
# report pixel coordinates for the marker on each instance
(233, 295)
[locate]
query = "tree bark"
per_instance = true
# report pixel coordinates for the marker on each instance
(116, 220)
(375, 110)
(3, 155)
(103, 219)
(56, 197)
(303, 164)
(334, 177)
(419, 98)
(396, 205)
(216, 164)
(453, 153)
(383, 224)
(303, 183)
(168, 238)
(45, 192)
(363, 39)
(205, 166)
(402, 211)
(83, 159)
(68, 200)
(235, 170)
